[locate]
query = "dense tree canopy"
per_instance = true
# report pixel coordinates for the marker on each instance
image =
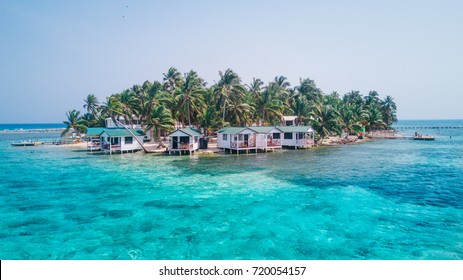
(185, 100)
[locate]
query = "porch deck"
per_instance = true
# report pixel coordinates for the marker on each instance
(117, 149)
(182, 148)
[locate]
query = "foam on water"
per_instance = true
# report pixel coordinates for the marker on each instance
(384, 199)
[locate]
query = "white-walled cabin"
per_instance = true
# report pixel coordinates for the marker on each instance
(249, 138)
(184, 140)
(297, 136)
(120, 140)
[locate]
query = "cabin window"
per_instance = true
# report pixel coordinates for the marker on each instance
(240, 137)
(300, 135)
(102, 139)
(288, 135)
(276, 135)
(224, 137)
(115, 141)
(196, 139)
(128, 140)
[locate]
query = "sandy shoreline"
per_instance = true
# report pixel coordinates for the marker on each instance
(212, 145)
(337, 140)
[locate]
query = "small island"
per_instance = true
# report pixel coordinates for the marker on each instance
(186, 101)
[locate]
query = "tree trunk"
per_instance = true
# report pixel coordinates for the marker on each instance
(223, 115)
(189, 118)
(151, 134)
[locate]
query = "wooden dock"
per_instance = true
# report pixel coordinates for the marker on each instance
(425, 138)
(426, 127)
(389, 137)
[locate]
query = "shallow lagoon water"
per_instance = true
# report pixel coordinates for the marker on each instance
(382, 199)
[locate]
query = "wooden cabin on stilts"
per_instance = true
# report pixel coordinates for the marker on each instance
(184, 140)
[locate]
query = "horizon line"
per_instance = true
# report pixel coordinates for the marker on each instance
(451, 119)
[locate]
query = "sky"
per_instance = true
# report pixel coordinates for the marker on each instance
(54, 53)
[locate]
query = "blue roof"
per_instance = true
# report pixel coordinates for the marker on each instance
(287, 129)
(94, 131)
(188, 131)
(232, 129)
(122, 132)
(238, 129)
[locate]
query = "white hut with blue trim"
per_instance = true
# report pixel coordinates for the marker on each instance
(184, 140)
(249, 138)
(297, 136)
(120, 140)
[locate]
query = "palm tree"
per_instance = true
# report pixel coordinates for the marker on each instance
(355, 113)
(172, 80)
(280, 87)
(151, 96)
(112, 107)
(309, 90)
(228, 87)
(74, 121)
(253, 93)
(353, 98)
(272, 108)
(210, 119)
(375, 119)
(91, 104)
(255, 88)
(324, 120)
(280, 91)
(372, 98)
(239, 114)
(300, 107)
(160, 119)
(388, 110)
(129, 105)
(348, 119)
(190, 97)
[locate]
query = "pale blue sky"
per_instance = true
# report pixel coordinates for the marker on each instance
(54, 53)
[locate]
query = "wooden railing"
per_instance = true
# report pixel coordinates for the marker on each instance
(181, 146)
(242, 145)
(273, 142)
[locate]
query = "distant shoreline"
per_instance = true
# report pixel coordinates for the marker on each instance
(35, 130)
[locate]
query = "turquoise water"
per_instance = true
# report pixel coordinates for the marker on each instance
(382, 199)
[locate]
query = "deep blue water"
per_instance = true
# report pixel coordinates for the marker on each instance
(31, 126)
(381, 199)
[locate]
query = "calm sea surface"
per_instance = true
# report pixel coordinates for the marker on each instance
(382, 199)
(29, 126)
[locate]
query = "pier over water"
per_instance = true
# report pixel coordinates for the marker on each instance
(426, 127)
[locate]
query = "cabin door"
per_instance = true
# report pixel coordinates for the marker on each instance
(174, 142)
(246, 140)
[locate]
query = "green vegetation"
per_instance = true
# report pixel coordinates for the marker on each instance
(187, 100)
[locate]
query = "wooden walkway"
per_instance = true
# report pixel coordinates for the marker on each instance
(427, 127)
